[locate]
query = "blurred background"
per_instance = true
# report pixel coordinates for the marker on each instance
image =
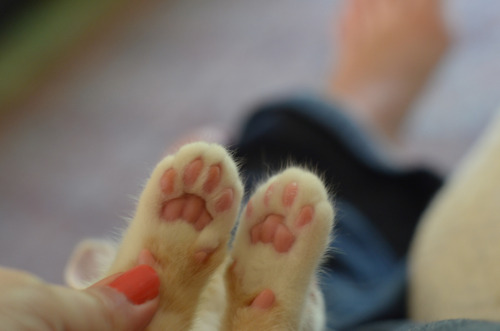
(92, 93)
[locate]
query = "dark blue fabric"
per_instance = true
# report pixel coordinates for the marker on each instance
(446, 325)
(377, 204)
(368, 280)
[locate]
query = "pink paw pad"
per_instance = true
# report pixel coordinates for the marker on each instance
(264, 300)
(268, 194)
(167, 181)
(273, 231)
(269, 228)
(192, 172)
(213, 178)
(289, 194)
(306, 216)
(192, 208)
(172, 209)
(203, 255)
(189, 208)
(283, 239)
(225, 201)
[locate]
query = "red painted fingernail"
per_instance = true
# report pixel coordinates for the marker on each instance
(139, 284)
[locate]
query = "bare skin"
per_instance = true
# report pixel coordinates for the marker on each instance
(124, 301)
(387, 51)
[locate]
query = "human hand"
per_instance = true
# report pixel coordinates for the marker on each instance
(124, 301)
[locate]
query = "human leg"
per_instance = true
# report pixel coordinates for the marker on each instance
(387, 49)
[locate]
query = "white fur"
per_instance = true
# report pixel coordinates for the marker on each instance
(290, 275)
(295, 269)
(455, 258)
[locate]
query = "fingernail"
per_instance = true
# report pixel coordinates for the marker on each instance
(139, 284)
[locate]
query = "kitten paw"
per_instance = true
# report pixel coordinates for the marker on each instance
(184, 218)
(281, 239)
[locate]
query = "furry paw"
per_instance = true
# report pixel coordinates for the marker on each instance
(281, 239)
(184, 218)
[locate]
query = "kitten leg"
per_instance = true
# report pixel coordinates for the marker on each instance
(184, 218)
(453, 261)
(281, 239)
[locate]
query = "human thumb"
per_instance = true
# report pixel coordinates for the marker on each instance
(126, 301)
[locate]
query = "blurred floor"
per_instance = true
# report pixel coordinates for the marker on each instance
(73, 160)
